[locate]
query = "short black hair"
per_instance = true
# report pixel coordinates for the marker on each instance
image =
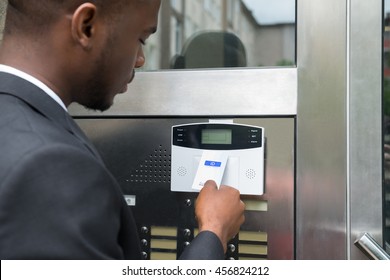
(34, 16)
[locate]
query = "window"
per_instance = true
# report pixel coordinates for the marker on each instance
(220, 34)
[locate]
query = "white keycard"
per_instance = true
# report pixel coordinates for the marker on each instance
(211, 167)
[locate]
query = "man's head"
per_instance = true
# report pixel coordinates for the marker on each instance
(86, 51)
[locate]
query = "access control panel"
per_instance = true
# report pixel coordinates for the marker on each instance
(139, 154)
(230, 154)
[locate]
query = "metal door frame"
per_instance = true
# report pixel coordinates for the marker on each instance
(339, 147)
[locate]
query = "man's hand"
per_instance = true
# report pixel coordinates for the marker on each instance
(220, 211)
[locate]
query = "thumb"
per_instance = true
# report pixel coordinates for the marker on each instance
(210, 185)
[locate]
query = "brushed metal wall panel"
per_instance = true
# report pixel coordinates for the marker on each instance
(322, 130)
(243, 92)
(365, 125)
(138, 153)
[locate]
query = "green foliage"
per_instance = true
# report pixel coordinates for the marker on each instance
(285, 62)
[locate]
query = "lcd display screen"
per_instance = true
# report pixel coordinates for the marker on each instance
(217, 136)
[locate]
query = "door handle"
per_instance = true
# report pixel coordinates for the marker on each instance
(367, 244)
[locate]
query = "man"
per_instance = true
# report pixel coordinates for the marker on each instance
(57, 199)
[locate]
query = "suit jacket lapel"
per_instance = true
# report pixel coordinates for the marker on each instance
(40, 101)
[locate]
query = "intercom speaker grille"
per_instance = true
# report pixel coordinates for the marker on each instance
(182, 171)
(250, 174)
(155, 169)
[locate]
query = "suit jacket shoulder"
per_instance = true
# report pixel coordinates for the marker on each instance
(57, 199)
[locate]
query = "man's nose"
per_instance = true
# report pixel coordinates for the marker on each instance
(140, 58)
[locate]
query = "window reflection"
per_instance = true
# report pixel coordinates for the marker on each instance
(265, 29)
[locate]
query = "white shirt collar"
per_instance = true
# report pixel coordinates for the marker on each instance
(33, 80)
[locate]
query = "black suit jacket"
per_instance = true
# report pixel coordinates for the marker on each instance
(57, 198)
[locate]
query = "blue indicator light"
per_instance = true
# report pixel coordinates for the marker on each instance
(213, 163)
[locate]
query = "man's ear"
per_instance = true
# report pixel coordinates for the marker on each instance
(84, 25)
